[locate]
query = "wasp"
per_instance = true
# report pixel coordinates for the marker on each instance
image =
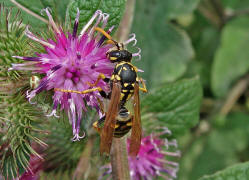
(124, 84)
(122, 125)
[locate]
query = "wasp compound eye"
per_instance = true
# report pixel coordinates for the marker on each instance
(114, 55)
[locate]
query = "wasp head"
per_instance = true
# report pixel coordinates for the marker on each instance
(119, 55)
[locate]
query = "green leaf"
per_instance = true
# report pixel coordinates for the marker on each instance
(223, 146)
(205, 39)
(114, 8)
(174, 9)
(236, 172)
(166, 49)
(34, 6)
(58, 8)
(236, 5)
(175, 105)
(205, 46)
(231, 59)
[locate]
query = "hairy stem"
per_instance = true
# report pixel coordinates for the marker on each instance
(234, 95)
(119, 159)
(239, 12)
(213, 11)
(82, 168)
(219, 9)
(29, 11)
(125, 25)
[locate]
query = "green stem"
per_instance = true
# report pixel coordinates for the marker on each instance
(29, 11)
(126, 22)
(233, 96)
(82, 168)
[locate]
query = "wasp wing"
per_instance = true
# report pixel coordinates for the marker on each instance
(110, 121)
(136, 133)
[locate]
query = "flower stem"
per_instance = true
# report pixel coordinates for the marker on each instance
(82, 169)
(29, 11)
(119, 159)
(126, 23)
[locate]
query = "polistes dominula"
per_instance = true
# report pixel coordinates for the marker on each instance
(124, 84)
(122, 125)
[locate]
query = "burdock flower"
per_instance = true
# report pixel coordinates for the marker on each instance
(153, 159)
(34, 169)
(70, 62)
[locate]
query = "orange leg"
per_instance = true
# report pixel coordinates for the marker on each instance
(101, 76)
(110, 40)
(79, 92)
(144, 89)
(103, 32)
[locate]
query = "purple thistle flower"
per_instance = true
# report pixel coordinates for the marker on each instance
(70, 61)
(151, 160)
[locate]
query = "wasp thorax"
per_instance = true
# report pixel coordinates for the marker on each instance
(119, 55)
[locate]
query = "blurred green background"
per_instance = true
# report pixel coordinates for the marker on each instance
(195, 57)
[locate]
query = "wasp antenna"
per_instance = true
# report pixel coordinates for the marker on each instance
(110, 42)
(103, 32)
(122, 45)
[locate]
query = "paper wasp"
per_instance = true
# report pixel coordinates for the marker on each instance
(122, 126)
(124, 84)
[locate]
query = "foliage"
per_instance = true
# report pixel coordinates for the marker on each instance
(19, 119)
(12, 40)
(236, 172)
(195, 60)
(174, 105)
(171, 46)
(114, 8)
(59, 10)
(230, 55)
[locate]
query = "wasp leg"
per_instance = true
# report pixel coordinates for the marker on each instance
(104, 95)
(101, 76)
(101, 106)
(98, 125)
(79, 92)
(144, 89)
